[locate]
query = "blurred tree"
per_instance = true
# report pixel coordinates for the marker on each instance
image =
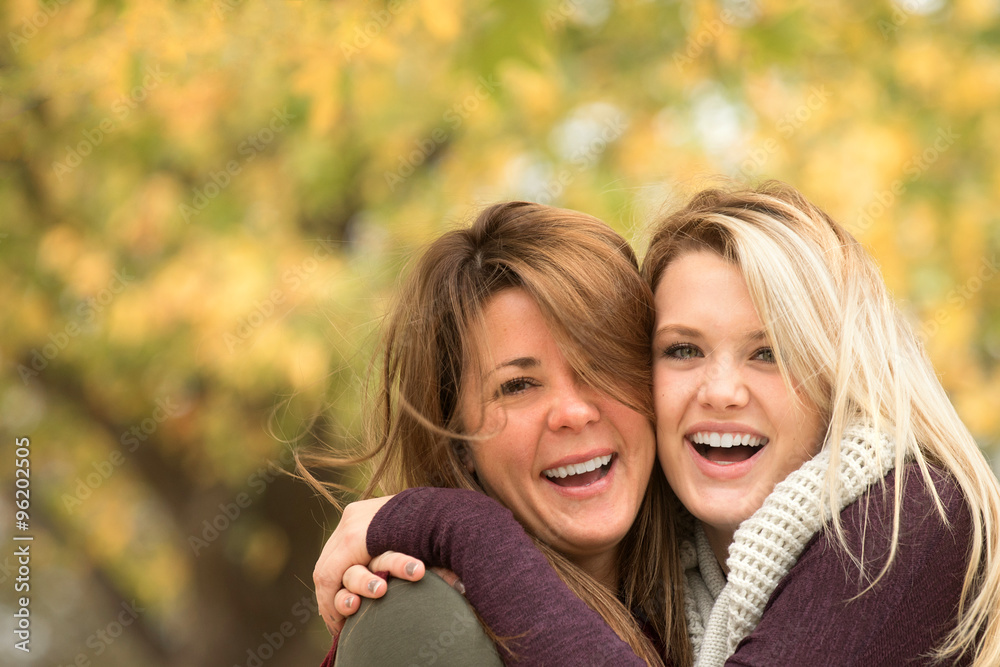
(205, 206)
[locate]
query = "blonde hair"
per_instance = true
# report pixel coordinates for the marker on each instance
(836, 330)
(584, 278)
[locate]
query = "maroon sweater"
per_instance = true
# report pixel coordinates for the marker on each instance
(810, 619)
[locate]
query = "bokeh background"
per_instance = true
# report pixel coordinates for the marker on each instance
(205, 206)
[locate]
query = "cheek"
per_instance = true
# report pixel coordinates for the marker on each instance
(667, 450)
(801, 423)
(659, 378)
(661, 392)
(668, 402)
(813, 427)
(802, 444)
(502, 463)
(780, 408)
(490, 474)
(487, 461)
(642, 444)
(812, 436)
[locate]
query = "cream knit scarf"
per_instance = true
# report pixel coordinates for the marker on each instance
(721, 613)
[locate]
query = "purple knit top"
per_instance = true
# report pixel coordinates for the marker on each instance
(812, 618)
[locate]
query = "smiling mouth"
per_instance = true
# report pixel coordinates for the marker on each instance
(580, 474)
(726, 448)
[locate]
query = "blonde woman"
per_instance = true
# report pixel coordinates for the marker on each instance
(842, 513)
(501, 380)
(857, 521)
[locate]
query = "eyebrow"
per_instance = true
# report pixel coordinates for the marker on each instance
(688, 332)
(519, 362)
(678, 329)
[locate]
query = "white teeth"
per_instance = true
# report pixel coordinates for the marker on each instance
(578, 468)
(727, 440)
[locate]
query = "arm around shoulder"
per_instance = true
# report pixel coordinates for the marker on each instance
(507, 579)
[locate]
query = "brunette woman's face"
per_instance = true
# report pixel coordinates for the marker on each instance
(728, 429)
(572, 463)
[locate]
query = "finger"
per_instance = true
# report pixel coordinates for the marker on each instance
(326, 589)
(345, 547)
(325, 600)
(334, 622)
(359, 580)
(398, 565)
(326, 604)
(346, 602)
(450, 578)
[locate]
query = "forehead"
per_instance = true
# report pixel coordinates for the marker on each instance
(511, 321)
(702, 285)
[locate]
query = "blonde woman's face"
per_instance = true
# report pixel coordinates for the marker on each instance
(572, 463)
(727, 429)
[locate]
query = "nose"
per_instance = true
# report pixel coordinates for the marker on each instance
(573, 407)
(723, 386)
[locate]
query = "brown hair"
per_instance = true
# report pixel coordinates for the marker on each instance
(585, 280)
(835, 329)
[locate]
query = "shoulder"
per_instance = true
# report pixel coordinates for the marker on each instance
(869, 520)
(421, 622)
(924, 534)
(867, 525)
(838, 606)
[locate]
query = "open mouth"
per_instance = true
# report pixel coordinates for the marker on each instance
(580, 474)
(726, 448)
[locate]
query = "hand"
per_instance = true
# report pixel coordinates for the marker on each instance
(347, 547)
(359, 581)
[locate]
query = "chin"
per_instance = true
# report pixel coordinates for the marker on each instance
(730, 519)
(584, 542)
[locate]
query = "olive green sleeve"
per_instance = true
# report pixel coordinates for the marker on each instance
(416, 623)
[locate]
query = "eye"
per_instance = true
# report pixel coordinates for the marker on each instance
(516, 386)
(765, 354)
(682, 351)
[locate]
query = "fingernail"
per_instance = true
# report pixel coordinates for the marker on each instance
(410, 568)
(459, 586)
(373, 585)
(349, 601)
